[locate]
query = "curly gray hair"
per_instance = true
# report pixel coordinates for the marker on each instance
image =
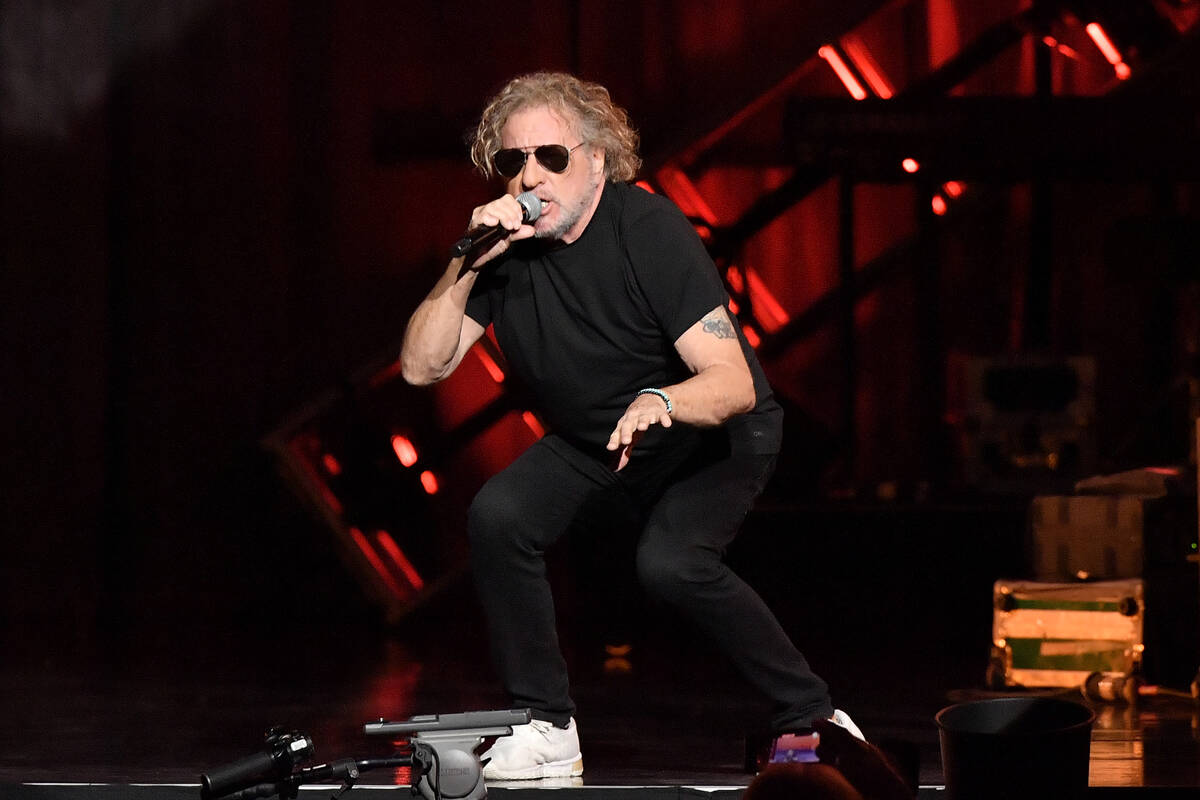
(599, 122)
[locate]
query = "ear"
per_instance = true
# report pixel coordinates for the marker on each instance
(599, 158)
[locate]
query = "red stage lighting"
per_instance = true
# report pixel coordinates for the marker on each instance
(734, 276)
(404, 449)
(680, 188)
(490, 364)
(858, 53)
(388, 373)
(910, 165)
(399, 559)
(1109, 50)
(1065, 49)
(430, 482)
(302, 450)
(534, 424)
(769, 313)
(835, 61)
(377, 564)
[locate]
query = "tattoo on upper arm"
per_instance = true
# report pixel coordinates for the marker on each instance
(717, 323)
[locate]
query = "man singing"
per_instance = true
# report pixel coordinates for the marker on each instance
(608, 308)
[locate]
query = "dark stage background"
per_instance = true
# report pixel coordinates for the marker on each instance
(215, 215)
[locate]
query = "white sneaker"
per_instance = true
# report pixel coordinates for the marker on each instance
(536, 750)
(842, 720)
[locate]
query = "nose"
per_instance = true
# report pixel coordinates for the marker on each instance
(531, 173)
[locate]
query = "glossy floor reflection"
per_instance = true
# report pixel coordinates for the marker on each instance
(162, 717)
(1154, 744)
(162, 704)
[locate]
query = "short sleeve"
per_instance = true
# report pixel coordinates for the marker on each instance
(671, 266)
(479, 302)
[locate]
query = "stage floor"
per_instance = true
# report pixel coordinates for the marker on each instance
(161, 704)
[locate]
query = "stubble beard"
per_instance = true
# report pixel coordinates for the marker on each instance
(570, 215)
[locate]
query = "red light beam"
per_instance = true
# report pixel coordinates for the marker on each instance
(843, 72)
(1110, 51)
(377, 563)
(857, 51)
(400, 560)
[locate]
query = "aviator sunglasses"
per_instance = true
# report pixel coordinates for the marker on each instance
(554, 157)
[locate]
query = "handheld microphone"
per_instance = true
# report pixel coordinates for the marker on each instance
(284, 751)
(485, 235)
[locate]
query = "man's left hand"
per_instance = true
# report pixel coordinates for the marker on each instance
(644, 411)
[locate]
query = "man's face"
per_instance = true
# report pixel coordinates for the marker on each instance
(568, 198)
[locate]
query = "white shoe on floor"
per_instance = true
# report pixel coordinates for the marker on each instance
(842, 720)
(536, 750)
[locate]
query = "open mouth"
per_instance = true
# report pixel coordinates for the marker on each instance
(547, 206)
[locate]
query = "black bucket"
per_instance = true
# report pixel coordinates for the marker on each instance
(1015, 747)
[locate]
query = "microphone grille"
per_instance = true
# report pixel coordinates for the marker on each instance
(531, 206)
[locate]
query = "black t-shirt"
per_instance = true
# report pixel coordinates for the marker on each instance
(585, 325)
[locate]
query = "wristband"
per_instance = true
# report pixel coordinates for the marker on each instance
(666, 398)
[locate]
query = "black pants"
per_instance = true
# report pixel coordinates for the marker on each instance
(690, 504)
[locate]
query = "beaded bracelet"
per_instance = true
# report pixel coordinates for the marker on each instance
(659, 393)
